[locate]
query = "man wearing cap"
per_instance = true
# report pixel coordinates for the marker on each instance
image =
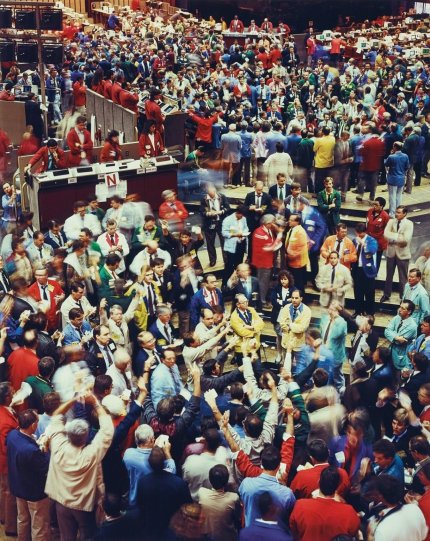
(51, 158)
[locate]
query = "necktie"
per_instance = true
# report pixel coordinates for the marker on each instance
(44, 294)
(337, 249)
(41, 253)
(287, 239)
(400, 326)
(3, 281)
(127, 382)
(333, 274)
(423, 345)
(398, 225)
(59, 240)
(359, 248)
(245, 288)
(167, 333)
(108, 356)
(294, 314)
(112, 239)
(355, 345)
(81, 334)
(258, 201)
(214, 299)
(281, 194)
(151, 300)
(327, 331)
(79, 304)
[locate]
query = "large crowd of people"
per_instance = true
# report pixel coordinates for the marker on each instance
(138, 399)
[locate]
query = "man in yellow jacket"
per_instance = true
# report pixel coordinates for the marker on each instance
(296, 250)
(246, 323)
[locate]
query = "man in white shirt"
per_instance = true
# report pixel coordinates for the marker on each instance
(38, 252)
(114, 242)
(146, 256)
(120, 372)
(397, 522)
(79, 220)
(76, 299)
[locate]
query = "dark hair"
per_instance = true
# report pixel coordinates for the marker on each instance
(77, 245)
(212, 439)
(165, 409)
(409, 304)
(112, 259)
(329, 480)
(178, 404)
(156, 459)
(75, 286)
(27, 418)
(384, 354)
(46, 366)
(390, 488)
(6, 390)
(253, 425)
(264, 503)
(320, 377)
(318, 450)
(218, 476)
(208, 366)
(420, 361)
(102, 383)
(360, 227)
(385, 447)
(420, 445)
(236, 390)
(286, 274)
(51, 401)
(270, 458)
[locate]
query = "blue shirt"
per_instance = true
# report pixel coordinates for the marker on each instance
(398, 164)
(245, 151)
(252, 487)
(136, 462)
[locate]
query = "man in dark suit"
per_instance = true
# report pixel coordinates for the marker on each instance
(418, 376)
(161, 329)
(28, 470)
(207, 296)
(280, 190)
(33, 115)
(257, 203)
(100, 352)
(242, 282)
(55, 236)
(214, 207)
(185, 284)
(364, 271)
(147, 348)
(164, 279)
(185, 245)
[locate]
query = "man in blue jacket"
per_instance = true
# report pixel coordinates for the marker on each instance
(364, 271)
(398, 165)
(28, 469)
(245, 154)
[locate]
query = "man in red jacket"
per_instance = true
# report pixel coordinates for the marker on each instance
(23, 362)
(324, 517)
(236, 25)
(263, 242)
(80, 94)
(376, 220)
(306, 481)
(51, 157)
(116, 89)
(372, 154)
(153, 110)
(50, 292)
(128, 99)
(204, 127)
(80, 144)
